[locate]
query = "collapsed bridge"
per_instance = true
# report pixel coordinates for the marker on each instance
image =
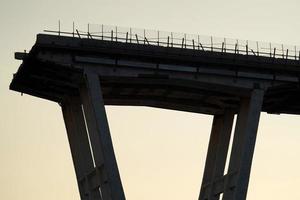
(85, 71)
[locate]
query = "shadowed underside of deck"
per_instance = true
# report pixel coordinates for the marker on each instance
(171, 78)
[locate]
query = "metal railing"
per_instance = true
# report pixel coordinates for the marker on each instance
(183, 40)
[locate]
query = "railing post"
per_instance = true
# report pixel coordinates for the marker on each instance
(193, 44)
(102, 31)
(211, 43)
(59, 27)
(73, 27)
(78, 33)
(130, 33)
(222, 47)
(144, 36)
(172, 39)
(137, 39)
(198, 42)
(247, 48)
(116, 34)
(235, 48)
(158, 38)
(185, 40)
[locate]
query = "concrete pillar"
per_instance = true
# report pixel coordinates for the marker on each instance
(216, 155)
(98, 129)
(79, 145)
(237, 178)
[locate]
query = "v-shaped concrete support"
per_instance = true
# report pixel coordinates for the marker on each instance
(234, 183)
(90, 142)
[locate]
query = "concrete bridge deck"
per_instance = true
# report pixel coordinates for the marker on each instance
(166, 77)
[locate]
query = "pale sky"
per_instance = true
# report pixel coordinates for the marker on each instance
(160, 153)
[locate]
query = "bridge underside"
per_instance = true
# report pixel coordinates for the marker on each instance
(172, 78)
(83, 75)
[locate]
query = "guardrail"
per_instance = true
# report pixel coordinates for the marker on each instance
(183, 40)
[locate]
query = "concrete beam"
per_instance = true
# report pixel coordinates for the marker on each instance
(80, 148)
(216, 155)
(97, 124)
(213, 189)
(243, 145)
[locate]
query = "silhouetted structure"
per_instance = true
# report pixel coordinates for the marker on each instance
(84, 72)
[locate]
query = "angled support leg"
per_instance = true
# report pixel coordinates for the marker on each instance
(98, 129)
(216, 156)
(80, 148)
(236, 182)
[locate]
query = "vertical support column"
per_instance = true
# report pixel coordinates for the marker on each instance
(102, 147)
(243, 147)
(216, 155)
(80, 148)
